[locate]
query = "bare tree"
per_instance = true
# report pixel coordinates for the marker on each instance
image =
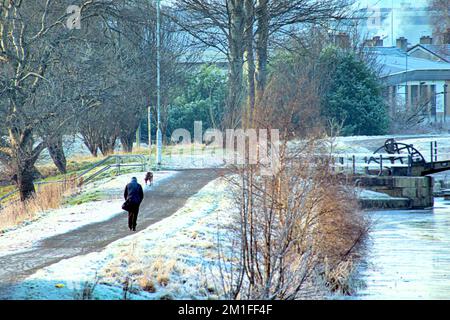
(409, 117)
(440, 18)
(220, 25)
(299, 225)
(128, 59)
(30, 34)
(243, 30)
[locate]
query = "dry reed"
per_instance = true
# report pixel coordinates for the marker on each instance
(49, 196)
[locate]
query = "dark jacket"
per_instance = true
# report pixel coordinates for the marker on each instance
(134, 193)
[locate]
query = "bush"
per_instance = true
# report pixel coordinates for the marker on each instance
(353, 97)
(328, 87)
(203, 100)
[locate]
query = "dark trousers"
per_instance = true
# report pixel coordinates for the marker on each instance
(132, 217)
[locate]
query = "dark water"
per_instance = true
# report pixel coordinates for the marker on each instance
(408, 255)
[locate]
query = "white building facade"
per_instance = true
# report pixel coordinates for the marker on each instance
(416, 84)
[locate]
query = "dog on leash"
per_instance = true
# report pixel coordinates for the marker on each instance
(149, 178)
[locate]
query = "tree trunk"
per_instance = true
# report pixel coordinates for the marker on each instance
(91, 145)
(25, 182)
(107, 145)
(93, 149)
(56, 150)
(24, 157)
(236, 60)
(262, 39)
(127, 142)
(249, 60)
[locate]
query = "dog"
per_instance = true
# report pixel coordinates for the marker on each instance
(149, 178)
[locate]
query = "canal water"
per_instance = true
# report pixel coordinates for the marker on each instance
(408, 255)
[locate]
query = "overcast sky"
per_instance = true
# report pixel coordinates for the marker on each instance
(406, 24)
(388, 3)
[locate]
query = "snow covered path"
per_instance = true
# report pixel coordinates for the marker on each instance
(163, 201)
(53, 222)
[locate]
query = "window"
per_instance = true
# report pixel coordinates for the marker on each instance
(407, 102)
(433, 99)
(414, 96)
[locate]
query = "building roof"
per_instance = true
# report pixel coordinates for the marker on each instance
(442, 51)
(397, 66)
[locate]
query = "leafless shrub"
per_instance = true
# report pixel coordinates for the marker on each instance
(302, 221)
(147, 284)
(440, 19)
(87, 290)
(294, 225)
(338, 279)
(409, 118)
(126, 288)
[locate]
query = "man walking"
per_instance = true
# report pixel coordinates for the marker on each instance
(134, 194)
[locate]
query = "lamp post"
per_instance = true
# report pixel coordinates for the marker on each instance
(392, 24)
(445, 102)
(158, 82)
(149, 132)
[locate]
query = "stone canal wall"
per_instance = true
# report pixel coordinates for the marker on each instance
(418, 190)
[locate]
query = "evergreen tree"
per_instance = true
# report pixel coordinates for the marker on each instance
(354, 95)
(203, 100)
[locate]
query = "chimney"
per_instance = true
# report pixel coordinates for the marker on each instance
(402, 43)
(368, 43)
(446, 36)
(377, 41)
(426, 40)
(342, 40)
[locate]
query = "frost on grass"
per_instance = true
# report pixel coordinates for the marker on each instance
(175, 258)
(54, 222)
(422, 142)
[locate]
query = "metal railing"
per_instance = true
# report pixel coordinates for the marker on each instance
(366, 163)
(85, 178)
(118, 164)
(363, 163)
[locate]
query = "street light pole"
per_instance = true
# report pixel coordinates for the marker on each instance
(392, 24)
(149, 131)
(445, 102)
(158, 81)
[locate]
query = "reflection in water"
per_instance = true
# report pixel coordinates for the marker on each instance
(408, 255)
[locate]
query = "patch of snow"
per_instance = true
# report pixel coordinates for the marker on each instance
(362, 147)
(397, 137)
(199, 158)
(186, 241)
(423, 145)
(117, 184)
(60, 221)
(368, 194)
(343, 147)
(421, 141)
(73, 146)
